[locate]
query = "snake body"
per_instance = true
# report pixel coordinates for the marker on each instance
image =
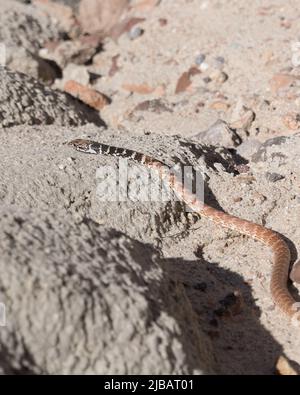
(281, 253)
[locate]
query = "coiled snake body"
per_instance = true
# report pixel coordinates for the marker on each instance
(281, 252)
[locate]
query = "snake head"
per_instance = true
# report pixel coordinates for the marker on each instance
(86, 146)
(80, 145)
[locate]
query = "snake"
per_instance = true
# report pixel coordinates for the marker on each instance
(281, 252)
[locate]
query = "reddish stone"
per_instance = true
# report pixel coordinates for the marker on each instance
(114, 66)
(185, 80)
(87, 95)
(281, 81)
(163, 22)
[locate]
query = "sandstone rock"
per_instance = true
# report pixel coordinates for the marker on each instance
(99, 16)
(248, 148)
(24, 26)
(23, 31)
(219, 134)
(25, 101)
(88, 300)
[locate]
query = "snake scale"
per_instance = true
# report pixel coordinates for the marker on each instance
(281, 252)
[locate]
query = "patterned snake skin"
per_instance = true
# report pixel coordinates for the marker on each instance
(281, 252)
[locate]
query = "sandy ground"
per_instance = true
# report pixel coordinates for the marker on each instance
(248, 78)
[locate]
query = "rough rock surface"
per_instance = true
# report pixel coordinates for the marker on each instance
(25, 26)
(23, 31)
(84, 299)
(24, 101)
(219, 134)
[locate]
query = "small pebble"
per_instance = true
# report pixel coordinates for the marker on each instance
(273, 177)
(222, 77)
(219, 76)
(163, 21)
(237, 199)
(281, 81)
(204, 66)
(207, 80)
(219, 105)
(285, 367)
(258, 197)
(200, 59)
(135, 32)
(219, 62)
